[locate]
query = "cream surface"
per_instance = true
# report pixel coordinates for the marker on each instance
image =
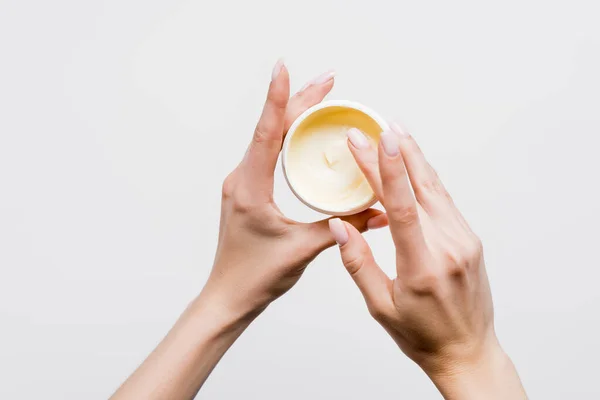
(319, 164)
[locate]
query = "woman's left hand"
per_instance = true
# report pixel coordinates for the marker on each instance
(261, 253)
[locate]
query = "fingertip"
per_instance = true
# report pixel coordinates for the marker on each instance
(278, 68)
(317, 93)
(326, 87)
(357, 139)
(312, 93)
(399, 129)
(378, 221)
(390, 144)
(279, 89)
(324, 80)
(359, 221)
(284, 74)
(305, 98)
(339, 231)
(390, 159)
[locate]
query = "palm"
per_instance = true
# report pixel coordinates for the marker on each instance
(261, 253)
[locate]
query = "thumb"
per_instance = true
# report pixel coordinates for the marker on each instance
(261, 157)
(319, 235)
(374, 284)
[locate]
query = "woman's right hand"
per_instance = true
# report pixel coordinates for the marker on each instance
(439, 307)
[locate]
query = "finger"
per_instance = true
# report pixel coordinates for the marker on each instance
(319, 80)
(400, 203)
(365, 155)
(357, 257)
(319, 235)
(313, 93)
(377, 222)
(429, 190)
(260, 161)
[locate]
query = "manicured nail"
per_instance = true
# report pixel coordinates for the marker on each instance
(319, 80)
(399, 130)
(357, 138)
(277, 69)
(391, 143)
(378, 221)
(338, 230)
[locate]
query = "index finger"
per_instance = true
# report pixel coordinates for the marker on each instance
(366, 158)
(400, 203)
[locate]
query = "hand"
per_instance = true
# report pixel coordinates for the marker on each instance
(439, 307)
(261, 254)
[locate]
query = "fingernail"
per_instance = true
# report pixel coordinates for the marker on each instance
(391, 143)
(377, 222)
(357, 138)
(319, 80)
(277, 69)
(338, 230)
(398, 129)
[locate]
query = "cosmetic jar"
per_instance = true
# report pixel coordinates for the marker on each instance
(317, 163)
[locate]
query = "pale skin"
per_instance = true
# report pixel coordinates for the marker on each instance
(438, 309)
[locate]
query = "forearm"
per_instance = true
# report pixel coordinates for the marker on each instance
(492, 378)
(182, 362)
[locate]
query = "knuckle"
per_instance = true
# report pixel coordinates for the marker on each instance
(242, 202)
(456, 270)
(354, 263)
(241, 207)
(455, 259)
(377, 312)
(458, 260)
(426, 283)
(431, 184)
(228, 186)
(277, 100)
(475, 249)
(261, 135)
(268, 132)
(236, 195)
(405, 215)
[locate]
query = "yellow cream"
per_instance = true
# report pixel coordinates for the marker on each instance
(319, 165)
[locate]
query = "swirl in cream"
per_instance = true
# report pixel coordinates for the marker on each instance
(319, 165)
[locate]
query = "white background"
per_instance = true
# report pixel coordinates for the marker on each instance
(120, 118)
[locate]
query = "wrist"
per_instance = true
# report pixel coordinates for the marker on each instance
(231, 300)
(490, 375)
(185, 357)
(214, 308)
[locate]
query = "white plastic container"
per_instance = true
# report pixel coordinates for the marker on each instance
(322, 113)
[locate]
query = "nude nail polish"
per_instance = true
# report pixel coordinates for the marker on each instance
(319, 80)
(357, 138)
(399, 129)
(277, 69)
(391, 143)
(338, 230)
